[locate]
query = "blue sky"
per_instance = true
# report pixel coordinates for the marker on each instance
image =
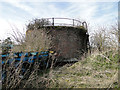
(17, 13)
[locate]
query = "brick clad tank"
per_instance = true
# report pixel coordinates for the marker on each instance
(68, 42)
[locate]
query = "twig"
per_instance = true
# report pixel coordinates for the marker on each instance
(104, 57)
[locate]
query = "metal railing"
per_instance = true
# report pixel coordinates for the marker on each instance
(74, 23)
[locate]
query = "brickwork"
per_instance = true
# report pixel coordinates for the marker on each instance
(68, 42)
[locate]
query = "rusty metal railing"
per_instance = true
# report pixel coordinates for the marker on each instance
(74, 23)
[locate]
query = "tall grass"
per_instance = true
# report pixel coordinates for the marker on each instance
(97, 70)
(35, 41)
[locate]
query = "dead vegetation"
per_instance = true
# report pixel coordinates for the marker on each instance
(36, 40)
(97, 70)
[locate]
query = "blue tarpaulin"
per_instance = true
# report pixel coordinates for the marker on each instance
(29, 57)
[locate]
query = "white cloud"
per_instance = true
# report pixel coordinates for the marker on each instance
(7, 27)
(3, 29)
(89, 11)
(20, 5)
(83, 10)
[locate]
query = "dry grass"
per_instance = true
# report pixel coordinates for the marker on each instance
(91, 72)
(36, 40)
(98, 70)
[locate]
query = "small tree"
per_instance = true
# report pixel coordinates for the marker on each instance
(6, 45)
(100, 39)
(115, 35)
(37, 24)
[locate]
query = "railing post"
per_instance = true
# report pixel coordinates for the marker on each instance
(85, 26)
(53, 21)
(73, 22)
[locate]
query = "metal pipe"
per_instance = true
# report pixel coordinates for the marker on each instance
(73, 22)
(53, 21)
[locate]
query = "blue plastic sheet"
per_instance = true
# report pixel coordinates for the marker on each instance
(18, 56)
(29, 57)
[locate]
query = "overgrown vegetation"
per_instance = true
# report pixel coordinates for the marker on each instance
(97, 70)
(6, 45)
(36, 24)
(33, 41)
(104, 38)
